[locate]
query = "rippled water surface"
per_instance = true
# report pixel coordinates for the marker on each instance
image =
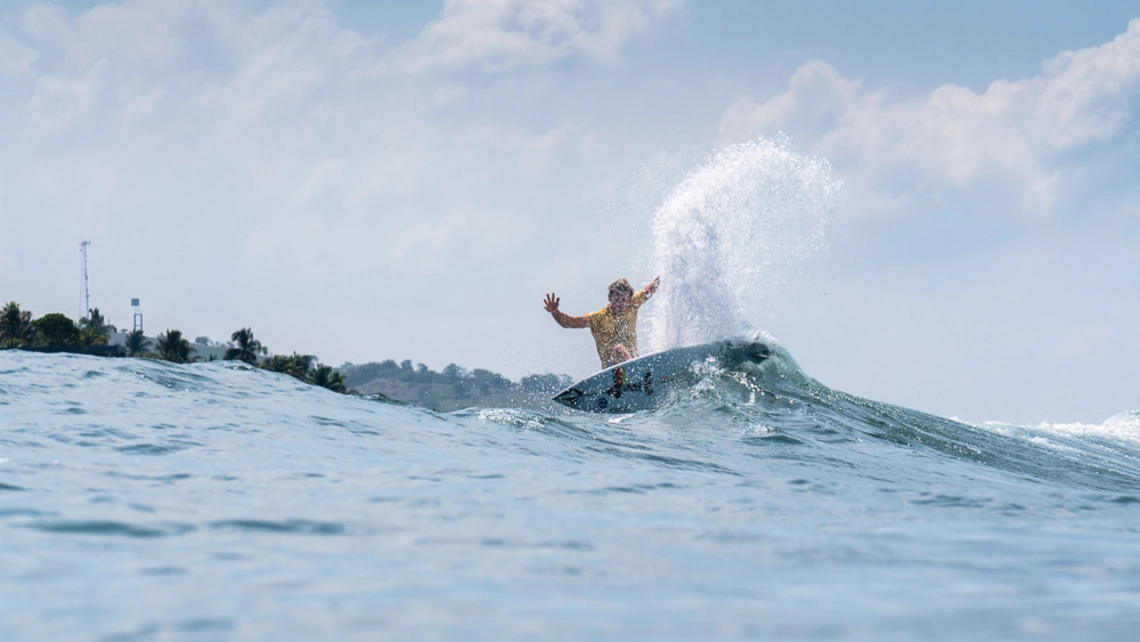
(147, 501)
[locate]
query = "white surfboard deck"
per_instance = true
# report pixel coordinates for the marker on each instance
(642, 383)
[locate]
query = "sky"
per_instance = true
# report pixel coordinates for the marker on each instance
(363, 181)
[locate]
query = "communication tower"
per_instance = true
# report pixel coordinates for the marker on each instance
(138, 314)
(84, 295)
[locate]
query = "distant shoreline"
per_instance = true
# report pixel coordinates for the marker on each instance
(453, 388)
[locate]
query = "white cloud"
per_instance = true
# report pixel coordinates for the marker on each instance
(45, 20)
(506, 34)
(135, 30)
(1016, 132)
(817, 97)
(139, 102)
(16, 58)
(318, 248)
(460, 230)
(265, 124)
(534, 152)
(286, 54)
(58, 100)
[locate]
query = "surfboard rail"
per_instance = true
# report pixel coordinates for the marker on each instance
(640, 384)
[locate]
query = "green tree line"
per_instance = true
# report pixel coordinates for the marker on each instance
(56, 332)
(463, 382)
(52, 332)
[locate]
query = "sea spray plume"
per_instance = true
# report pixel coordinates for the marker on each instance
(729, 233)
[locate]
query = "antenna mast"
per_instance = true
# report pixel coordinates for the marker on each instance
(84, 295)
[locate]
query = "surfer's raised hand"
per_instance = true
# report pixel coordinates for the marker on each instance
(551, 303)
(563, 319)
(652, 287)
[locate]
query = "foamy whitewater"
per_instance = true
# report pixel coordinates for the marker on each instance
(141, 500)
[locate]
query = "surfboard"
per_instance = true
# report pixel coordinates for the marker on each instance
(644, 382)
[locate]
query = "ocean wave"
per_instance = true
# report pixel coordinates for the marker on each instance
(233, 490)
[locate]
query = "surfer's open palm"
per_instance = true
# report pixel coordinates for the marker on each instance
(551, 303)
(651, 289)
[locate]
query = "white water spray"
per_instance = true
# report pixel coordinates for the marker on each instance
(729, 233)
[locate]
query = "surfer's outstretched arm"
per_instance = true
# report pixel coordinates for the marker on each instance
(563, 319)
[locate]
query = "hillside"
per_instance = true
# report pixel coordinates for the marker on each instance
(453, 389)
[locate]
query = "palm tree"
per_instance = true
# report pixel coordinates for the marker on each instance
(14, 325)
(137, 343)
(329, 377)
(172, 347)
(95, 329)
(247, 347)
(296, 366)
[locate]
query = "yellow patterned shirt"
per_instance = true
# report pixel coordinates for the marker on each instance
(610, 329)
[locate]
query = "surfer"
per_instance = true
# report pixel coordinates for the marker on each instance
(615, 326)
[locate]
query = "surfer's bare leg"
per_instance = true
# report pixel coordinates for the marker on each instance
(619, 354)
